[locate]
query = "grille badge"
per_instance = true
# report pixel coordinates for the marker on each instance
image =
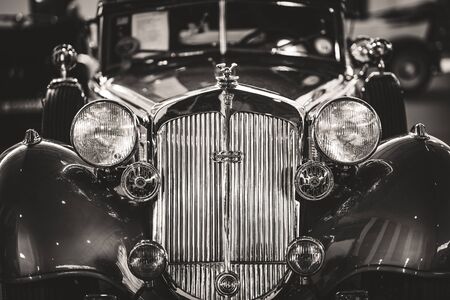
(227, 157)
(227, 284)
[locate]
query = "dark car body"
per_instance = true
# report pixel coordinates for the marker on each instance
(228, 152)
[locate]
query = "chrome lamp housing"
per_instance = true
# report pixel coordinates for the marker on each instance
(104, 133)
(346, 130)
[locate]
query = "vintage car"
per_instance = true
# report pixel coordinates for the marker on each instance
(227, 150)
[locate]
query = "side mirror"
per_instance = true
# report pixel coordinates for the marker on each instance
(357, 9)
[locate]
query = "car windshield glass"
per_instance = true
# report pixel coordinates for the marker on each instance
(284, 28)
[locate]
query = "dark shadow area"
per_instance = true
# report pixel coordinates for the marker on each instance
(432, 108)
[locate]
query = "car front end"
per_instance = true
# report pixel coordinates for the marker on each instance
(281, 176)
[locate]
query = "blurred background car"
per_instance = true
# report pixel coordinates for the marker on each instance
(420, 33)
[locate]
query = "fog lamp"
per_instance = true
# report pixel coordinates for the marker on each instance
(314, 181)
(305, 256)
(147, 260)
(140, 181)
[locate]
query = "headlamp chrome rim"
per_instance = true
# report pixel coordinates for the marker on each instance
(303, 239)
(354, 99)
(135, 133)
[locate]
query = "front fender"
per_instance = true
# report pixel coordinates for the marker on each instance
(397, 217)
(54, 218)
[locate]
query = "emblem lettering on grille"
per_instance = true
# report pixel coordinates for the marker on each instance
(227, 157)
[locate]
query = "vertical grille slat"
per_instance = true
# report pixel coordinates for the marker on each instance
(263, 211)
(268, 213)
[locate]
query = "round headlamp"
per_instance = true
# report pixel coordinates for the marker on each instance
(305, 256)
(104, 133)
(347, 130)
(147, 260)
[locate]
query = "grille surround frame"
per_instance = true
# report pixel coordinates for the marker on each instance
(295, 126)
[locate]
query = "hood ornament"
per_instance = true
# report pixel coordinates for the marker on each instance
(226, 76)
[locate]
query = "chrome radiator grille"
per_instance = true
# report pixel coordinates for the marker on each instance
(263, 212)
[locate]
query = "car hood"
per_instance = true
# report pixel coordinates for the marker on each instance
(159, 83)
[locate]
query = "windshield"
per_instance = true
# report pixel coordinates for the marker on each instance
(284, 28)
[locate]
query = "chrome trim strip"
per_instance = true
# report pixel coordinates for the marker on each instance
(156, 110)
(226, 99)
(131, 97)
(335, 88)
(275, 97)
(287, 109)
(102, 87)
(347, 88)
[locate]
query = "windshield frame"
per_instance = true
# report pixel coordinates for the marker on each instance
(108, 9)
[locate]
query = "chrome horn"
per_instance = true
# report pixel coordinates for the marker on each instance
(64, 57)
(379, 51)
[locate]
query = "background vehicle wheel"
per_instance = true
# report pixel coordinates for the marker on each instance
(412, 67)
